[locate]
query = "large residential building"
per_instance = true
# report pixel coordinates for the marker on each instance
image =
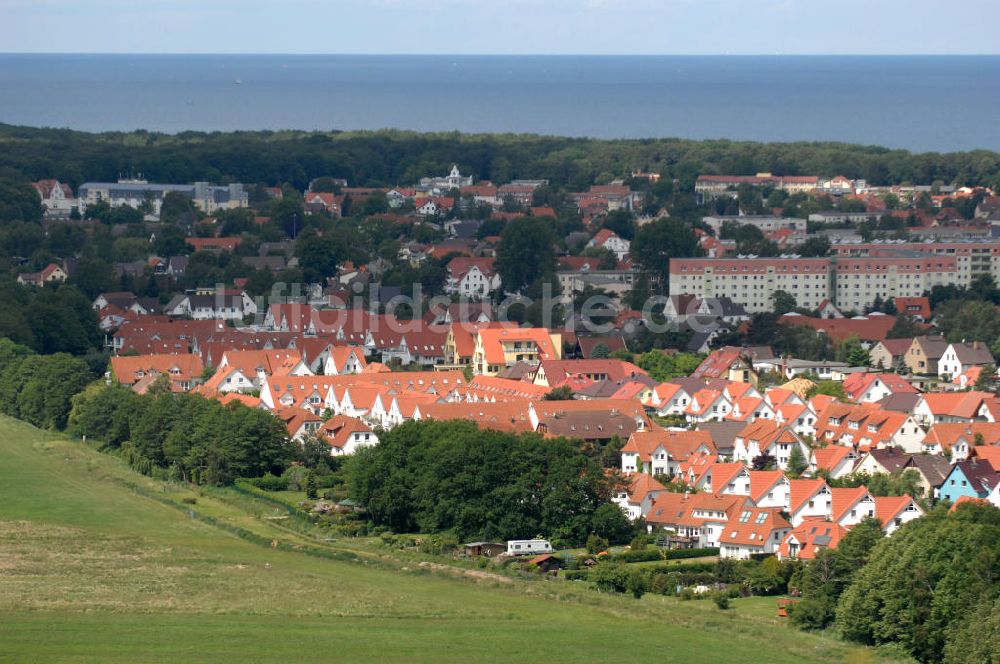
(713, 186)
(972, 258)
(851, 282)
(859, 281)
(843, 217)
(751, 281)
(138, 193)
(499, 347)
(454, 180)
(767, 223)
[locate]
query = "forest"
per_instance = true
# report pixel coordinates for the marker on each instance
(398, 157)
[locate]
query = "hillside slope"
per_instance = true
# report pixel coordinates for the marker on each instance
(98, 564)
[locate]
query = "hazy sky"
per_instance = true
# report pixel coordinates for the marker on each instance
(499, 26)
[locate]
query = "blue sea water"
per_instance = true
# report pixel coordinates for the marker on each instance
(916, 102)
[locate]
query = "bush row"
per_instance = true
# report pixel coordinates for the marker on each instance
(650, 554)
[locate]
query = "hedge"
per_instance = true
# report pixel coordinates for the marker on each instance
(651, 554)
(696, 571)
(683, 568)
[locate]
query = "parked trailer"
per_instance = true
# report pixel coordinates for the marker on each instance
(528, 547)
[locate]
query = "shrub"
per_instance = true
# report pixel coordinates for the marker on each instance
(636, 583)
(680, 554)
(685, 569)
(639, 542)
(611, 578)
(295, 478)
(637, 556)
(327, 481)
(721, 600)
(813, 613)
(662, 584)
(596, 543)
(269, 482)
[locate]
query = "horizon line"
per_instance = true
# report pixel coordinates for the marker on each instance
(515, 55)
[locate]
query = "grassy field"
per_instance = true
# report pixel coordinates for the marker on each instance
(98, 564)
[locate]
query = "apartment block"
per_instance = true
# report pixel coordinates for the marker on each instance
(972, 259)
(752, 281)
(851, 282)
(859, 281)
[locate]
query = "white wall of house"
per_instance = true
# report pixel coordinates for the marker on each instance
(819, 504)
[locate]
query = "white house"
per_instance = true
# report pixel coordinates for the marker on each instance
(766, 437)
(346, 434)
(669, 399)
(57, 198)
(809, 497)
(204, 305)
(959, 357)
(894, 511)
(754, 531)
(608, 239)
(471, 277)
(637, 497)
(708, 406)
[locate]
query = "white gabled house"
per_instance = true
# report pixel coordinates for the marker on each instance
(754, 531)
(766, 437)
(669, 399)
(636, 496)
(809, 498)
(708, 406)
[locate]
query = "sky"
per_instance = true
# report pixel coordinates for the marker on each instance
(500, 26)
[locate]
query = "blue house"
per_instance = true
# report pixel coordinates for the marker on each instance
(972, 478)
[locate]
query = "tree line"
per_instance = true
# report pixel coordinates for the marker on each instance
(180, 436)
(54, 319)
(399, 157)
(38, 388)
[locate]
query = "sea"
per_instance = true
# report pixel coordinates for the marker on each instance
(921, 103)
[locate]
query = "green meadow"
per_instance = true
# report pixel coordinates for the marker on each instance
(100, 564)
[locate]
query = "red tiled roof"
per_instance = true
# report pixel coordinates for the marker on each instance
(754, 529)
(829, 457)
(679, 444)
(509, 416)
(956, 404)
(812, 535)
(718, 363)
(801, 490)
(913, 306)
(872, 328)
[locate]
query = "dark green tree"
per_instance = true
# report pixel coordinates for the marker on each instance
(525, 253)
(657, 242)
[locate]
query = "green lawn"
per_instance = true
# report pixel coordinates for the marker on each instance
(98, 564)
